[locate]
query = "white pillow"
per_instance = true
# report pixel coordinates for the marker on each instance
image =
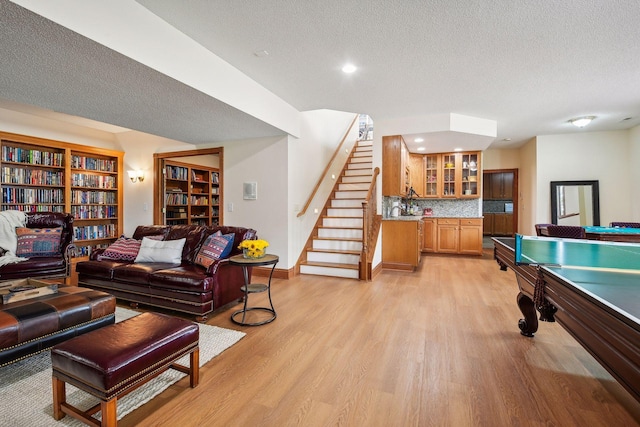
(161, 250)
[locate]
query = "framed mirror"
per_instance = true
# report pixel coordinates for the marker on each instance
(575, 203)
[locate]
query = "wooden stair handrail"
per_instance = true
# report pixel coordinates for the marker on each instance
(323, 176)
(368, 227)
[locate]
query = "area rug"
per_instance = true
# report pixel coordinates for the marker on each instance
(25, 386)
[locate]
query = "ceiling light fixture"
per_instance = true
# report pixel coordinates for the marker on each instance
(421, 148)
(349, 68)
(582, 121)
(457, 149)
(418, 140)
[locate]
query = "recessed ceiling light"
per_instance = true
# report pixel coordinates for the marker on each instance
(349, 68)
(457, 149)
(421, 148)
(261, 53)
(418, 140)
(582, 121)
(506, 139)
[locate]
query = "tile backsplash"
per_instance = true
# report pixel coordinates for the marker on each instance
(464, 208)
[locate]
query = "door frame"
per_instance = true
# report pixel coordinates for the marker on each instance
(515, 192)
(158, 191)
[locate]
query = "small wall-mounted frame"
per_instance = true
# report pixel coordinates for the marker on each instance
(250, 191)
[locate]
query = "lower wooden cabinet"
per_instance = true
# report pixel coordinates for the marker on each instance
(453, 235)
(498, 224)
(401, 244)
(429, 234)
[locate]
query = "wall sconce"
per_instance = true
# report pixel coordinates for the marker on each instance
(136, 176)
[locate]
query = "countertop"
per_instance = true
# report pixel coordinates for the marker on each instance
(420, 217)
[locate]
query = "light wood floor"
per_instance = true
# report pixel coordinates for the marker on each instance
(439, 347)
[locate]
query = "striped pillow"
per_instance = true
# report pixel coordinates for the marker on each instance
(123, 249)
(217, 246)
(38, 242)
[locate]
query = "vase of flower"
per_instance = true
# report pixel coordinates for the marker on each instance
(253, 249)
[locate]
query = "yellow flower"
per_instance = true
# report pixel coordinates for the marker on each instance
(254, 245)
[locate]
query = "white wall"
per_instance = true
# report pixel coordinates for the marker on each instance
(501, 158)
(263, 161)
(528, 189)
(602, 156)
(138, 197)
(41, 127)
(634, 159)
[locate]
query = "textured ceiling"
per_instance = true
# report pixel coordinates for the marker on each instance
(46, 65)
(530, 66)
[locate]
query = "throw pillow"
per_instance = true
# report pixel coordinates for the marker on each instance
(215, 247)
(38, 242)
(169, 251)
(123, 249)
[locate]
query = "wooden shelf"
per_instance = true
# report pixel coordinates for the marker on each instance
(71, 171)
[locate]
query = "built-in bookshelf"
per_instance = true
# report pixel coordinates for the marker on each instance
(39, 175)
(191, 194)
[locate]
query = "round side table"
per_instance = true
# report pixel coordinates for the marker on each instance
(254, 288)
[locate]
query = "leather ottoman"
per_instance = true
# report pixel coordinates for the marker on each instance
(113, 361)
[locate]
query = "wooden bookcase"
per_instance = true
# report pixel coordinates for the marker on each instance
(191, 194)
(40, 175)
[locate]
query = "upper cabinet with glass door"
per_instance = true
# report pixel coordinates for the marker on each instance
(453, 175)
(470, 175)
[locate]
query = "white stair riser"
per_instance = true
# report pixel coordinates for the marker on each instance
(351, 194)
(365, 143)
(340, 233)
(329, 271)
(355, 213)
(337, 258)
(358, 179)
(361, 159)
(337, 245)
(363, 186)
(342, 222)
(360, 154)
(358, 172)
(346, 203)
(353, 166)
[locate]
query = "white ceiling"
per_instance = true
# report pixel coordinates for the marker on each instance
(530, 66)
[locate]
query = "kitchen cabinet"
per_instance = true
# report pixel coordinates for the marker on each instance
(498, 186)
(487, 224)
(439, 175)
(459, 236)
(401, 244)
(396, 179)
(432, 176)
(458, 177)
(429, 234)
(503, 224)
(498, 224)
(417, 173)
(447, 235)
(470, 240)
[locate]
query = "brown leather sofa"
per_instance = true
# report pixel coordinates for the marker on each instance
(45, 267)
(185, 287)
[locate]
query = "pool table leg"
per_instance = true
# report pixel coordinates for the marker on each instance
(529, 325)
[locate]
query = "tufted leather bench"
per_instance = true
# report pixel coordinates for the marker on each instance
(112, 361)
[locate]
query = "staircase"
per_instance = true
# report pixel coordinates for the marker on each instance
(337, 241)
